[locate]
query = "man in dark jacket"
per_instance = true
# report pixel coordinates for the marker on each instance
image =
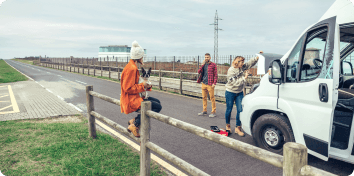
(208, 76)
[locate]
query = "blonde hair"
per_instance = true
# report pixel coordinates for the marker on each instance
(238, 58)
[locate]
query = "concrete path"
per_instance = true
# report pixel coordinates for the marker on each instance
(28, 100)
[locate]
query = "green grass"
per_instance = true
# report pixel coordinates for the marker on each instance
(8, 74)
(24, 61)
(37, 147)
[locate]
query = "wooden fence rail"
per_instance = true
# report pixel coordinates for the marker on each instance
(68, 67)
(293, 163)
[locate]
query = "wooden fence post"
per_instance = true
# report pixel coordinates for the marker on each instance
(109, 72)
(145, 157)
(180, 83)
(88, 68)
(198, 64)
(173, 68)
(118, 75)
(94, 69)
(83, 69)
(155, 63)
(101, 67)
(90, 107)
(295, 157)
(160, 79)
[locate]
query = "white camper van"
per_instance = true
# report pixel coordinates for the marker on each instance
(308, 95)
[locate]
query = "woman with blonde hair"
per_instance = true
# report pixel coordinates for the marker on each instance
(236, 76)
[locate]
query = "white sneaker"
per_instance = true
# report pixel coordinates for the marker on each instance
(212, 115)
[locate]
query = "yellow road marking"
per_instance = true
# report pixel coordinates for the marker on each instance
(137, 147)
(4, 96)
(13, 100)
(5, 107)
(7, 112)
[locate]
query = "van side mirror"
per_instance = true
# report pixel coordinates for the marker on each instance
(276, 72)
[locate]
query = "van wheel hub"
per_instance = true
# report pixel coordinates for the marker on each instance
(272, 136)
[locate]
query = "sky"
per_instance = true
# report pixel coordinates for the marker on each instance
(164, 28)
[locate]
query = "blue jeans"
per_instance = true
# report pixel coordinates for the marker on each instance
(230, 99)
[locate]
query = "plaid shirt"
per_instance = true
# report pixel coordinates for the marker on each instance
(212, 74)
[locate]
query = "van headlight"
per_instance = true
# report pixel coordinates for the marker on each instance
(254, 87)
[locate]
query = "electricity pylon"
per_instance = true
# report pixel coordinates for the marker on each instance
(216, 29)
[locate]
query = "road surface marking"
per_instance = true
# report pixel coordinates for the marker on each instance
(13, 103)
(75, 107)
(13, 100)
(41, 85)
(36, 82)
(137, 147)
(4, 101)
(4, 96)
(60, 97)
(65, 79)
(60, 75)
(80, 82)
(49, 91)
(5, 107)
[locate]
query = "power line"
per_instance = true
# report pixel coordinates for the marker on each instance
(216, 29)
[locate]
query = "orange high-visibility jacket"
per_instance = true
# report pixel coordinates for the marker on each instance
(130, 100)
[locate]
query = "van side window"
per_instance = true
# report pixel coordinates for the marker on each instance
(293, 62)
(314, 53)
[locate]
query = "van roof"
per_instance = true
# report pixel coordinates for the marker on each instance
(343, 9)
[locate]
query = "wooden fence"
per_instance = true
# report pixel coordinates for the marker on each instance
(293, 162)
(92, 70)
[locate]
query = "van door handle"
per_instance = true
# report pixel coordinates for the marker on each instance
(323, 92)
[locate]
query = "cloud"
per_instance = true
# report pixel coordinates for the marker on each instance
(220, 2)
(64, 28)
(1, 1)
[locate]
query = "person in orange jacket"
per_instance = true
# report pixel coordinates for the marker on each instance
(130, 100)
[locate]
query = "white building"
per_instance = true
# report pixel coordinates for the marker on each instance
(115, 51)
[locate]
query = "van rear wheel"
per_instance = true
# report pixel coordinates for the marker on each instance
(271, 132)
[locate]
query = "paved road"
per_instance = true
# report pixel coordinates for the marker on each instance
(212, 158)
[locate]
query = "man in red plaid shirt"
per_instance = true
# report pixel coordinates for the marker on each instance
(208, 76)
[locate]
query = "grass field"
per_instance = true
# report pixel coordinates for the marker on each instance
(24, 61)
(8, 74)
(62, 146)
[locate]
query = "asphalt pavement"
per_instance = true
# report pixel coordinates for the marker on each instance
(208, 156)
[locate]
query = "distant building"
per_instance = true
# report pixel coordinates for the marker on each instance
(193, 62)
(310, 54)
(120, 51)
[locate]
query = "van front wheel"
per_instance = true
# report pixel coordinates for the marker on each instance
(271, 132)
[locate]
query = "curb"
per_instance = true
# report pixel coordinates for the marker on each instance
(19, 71)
